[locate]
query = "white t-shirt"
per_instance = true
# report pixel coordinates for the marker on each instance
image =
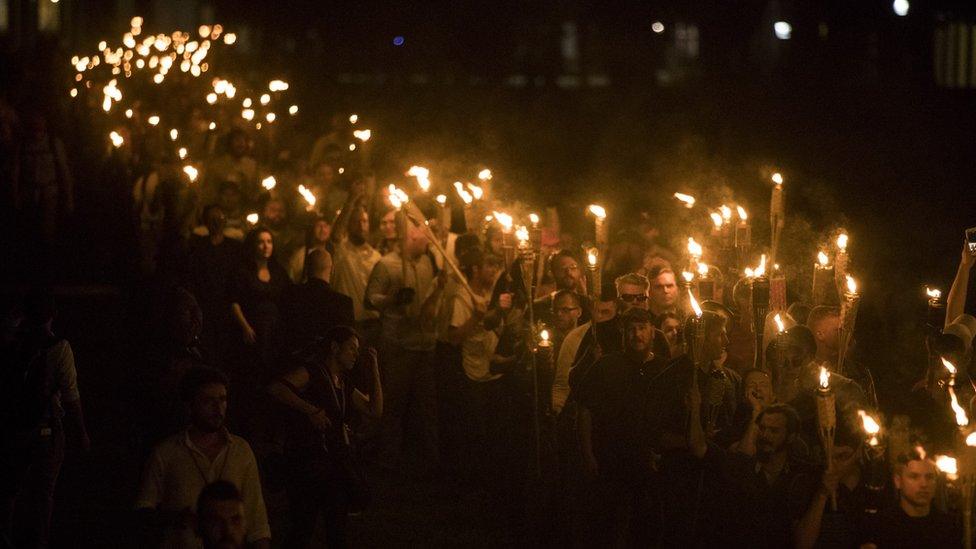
(350, 273)
(478, 348)
(564, 363)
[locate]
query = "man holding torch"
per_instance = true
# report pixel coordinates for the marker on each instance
(406, 298)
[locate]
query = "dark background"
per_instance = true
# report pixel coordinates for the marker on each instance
(869, 116)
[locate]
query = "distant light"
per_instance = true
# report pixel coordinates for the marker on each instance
(783, 30)
(293, 110)
(398, 41)
(657, 27)
(900, 7)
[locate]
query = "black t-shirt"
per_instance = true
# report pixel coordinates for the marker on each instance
(892, 528)
(613, 392)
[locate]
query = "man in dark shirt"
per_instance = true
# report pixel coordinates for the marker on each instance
(609, 424)
(767, 476)
(913, 522)
(212, 258)
(310, 310)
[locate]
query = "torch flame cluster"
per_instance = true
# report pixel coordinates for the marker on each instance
(421, 173)
(397, 196)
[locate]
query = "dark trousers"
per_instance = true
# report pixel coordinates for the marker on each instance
(410, 404)
(309, 501)
(450, 394)
(27, 506)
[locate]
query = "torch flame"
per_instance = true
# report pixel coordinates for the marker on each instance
(544, 335)
(465, 195)
(422, 174)
(117, 140)
(534, 219)
(484, 174)
(688, 200)
(761, 269)
(851, 284)
(522, 234)
(397, 197)
(780, 327)
(842, 239)
(592, 256)
(353, 118)
(777, 178)
(749, 272)
(191, 172)
(949, 366)
(504, 220)
(962, 419)
(694, 248)
(362, 135)
(823, 258)
(441, 199)
(726, 212)
(269, 182)
(599, 211)
(716, 219)
(687, 276)
(702, 269)
(253, 218)
(870, 425)
(947, 465)
(694, 304)
(742, 213)
(933, 293)
(971, 439)
(308, 195)
(476, 191)
(824, 377)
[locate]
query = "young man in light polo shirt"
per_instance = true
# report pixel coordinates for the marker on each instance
(183, 464)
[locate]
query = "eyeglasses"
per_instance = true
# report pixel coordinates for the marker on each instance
(633, 298)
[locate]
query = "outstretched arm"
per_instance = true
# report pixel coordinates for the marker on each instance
(956, 301)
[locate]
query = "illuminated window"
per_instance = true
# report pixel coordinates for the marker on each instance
(48, 16)
(4, 15)
(686, 40)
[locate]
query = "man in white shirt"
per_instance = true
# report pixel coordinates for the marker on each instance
(354, 259)
(474, 329)
(408, 312)
(183, 464)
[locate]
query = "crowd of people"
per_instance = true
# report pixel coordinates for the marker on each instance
(320, 338)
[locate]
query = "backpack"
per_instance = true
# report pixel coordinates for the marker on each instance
(27, 387)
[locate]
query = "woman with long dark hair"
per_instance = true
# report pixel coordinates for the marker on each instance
(323, 469)
(254, 291)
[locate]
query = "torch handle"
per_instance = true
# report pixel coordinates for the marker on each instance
(415, 215)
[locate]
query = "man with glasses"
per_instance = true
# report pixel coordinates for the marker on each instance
(565, 271)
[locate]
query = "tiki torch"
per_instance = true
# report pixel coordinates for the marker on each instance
(777, 214)
(936, 311)
(823, 279)
(848, 317)
(593, 275)
(827, 422)
(601, 230)
(760, 308)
